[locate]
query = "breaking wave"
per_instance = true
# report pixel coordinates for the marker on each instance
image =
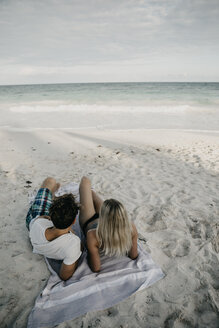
(80, 108)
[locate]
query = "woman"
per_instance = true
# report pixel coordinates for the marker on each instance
(106, 227)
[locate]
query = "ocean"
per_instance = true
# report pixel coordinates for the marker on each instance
(193, 106)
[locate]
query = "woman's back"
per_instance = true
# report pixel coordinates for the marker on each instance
(113, 232)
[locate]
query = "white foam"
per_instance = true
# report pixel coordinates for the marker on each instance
(42, 108)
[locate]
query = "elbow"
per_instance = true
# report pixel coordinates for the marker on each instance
(65, 277)
(133, 256)
(95, 268)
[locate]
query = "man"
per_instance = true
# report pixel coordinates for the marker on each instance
(49, 222)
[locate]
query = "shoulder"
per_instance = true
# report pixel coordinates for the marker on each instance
(70, 244)
(40, 224)
(42, 221)
(71, 238)
(67, 242)
(71, 251)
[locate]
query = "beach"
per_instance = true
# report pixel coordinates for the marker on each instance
(166, 173)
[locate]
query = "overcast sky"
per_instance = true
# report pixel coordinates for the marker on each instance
(52, 41)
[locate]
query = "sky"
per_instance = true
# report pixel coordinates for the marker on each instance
(53, 41)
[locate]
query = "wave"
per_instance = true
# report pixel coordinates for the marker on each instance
(80, 108)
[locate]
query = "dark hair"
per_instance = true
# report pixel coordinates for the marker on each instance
(63, 211)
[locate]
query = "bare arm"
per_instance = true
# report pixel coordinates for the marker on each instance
(133, 253)
(44, 217)
(67, 271)
(93, 252)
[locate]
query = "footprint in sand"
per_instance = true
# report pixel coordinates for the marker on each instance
(176, 285)
(212, 269)
(176, 247)
(196, 231)
(151, 308)
(157, 222)
(182, 248)
(178, 319)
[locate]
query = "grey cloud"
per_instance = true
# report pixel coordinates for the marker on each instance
(68, 33)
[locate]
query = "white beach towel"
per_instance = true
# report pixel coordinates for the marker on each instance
(88, 291)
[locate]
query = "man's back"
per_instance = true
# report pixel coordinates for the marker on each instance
(66, 247)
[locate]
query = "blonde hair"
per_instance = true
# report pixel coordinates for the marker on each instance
(114, 230)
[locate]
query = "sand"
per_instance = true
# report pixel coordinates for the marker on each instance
(167, 179)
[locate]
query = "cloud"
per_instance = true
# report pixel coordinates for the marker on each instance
(61, 35)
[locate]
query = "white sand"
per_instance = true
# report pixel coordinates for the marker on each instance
(168, 181)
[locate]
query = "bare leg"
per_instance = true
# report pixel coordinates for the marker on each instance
(87, 209)
(97, 202)
(51, 184)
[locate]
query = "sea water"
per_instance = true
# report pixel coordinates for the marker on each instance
(111, 106)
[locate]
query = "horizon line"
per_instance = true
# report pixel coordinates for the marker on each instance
(57, 83)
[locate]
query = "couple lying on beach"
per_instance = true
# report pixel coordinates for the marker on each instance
(105, 225)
